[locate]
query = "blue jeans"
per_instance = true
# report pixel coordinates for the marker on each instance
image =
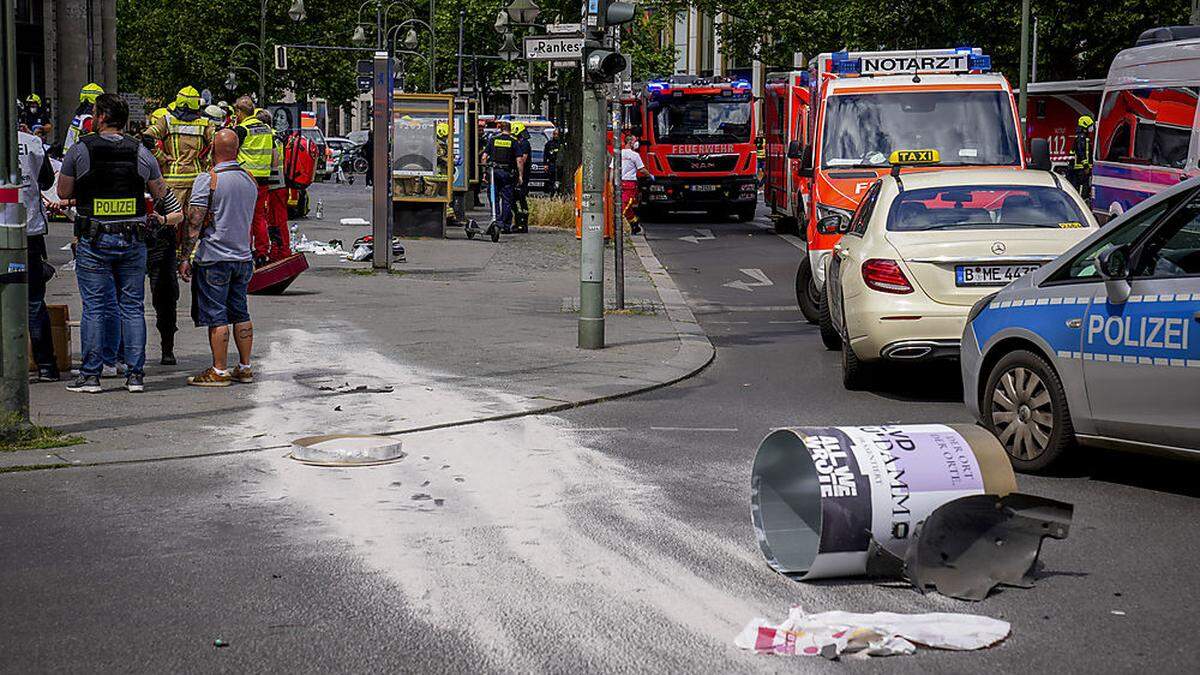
(111, 271)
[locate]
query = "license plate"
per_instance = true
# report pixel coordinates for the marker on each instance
(704, 188)
(990, 275)
(537, 183)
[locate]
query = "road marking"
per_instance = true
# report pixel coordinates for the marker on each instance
(601, 429)
(731, 323)
(706, 429)
(797, 321)
(761, 280)
(701, 235)
(717, 309)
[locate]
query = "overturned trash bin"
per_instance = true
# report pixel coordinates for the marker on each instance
(823, 497)
(346, 450)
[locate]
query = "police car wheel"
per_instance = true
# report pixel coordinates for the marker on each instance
(829, 335)
(807, 294)
(1025, 406)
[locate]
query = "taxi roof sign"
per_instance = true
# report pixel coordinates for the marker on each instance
(914, 157)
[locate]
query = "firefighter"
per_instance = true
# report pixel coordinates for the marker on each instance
(501, 153)
(82, 122)
(521, 188)
(443, 159)
(34, 115)
(277, 202)
(254, 154)
(181, 140)
(1080, 174)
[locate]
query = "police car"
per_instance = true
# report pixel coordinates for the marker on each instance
(1101, 346)
(922, 248)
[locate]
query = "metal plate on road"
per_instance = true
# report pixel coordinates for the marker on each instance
(554, 47)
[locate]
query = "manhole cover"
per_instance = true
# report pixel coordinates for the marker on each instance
(346, 450)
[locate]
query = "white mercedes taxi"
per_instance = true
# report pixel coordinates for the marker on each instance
(922, 248)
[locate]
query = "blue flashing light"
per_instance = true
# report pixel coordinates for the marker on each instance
(981, 62)
(740, 84)
(657, 85)
(844, 65)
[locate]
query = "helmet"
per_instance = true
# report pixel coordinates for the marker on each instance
(1086, 121)
(188, 98)
(516, 128)
(33, 99)
(443, 130)
(214, 113)
(89, 92)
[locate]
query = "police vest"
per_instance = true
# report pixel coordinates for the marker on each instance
(504, 151)
(75, 131)
(112, 189)
(255, 153)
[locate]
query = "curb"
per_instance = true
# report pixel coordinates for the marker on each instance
(695, 353)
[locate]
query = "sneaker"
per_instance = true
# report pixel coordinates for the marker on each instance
(243, 375)
(134, 383)
(168, 359)
(634, 228)
(87, 384)
(48, 374)
(122, 369)
(109, 371)
(210, 378)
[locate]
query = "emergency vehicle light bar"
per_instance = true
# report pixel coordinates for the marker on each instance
(957, 60)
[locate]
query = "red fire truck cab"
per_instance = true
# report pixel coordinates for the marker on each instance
(785, 114)
(1054, 112)
(696, 138)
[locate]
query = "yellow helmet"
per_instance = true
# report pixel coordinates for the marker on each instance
(443, 130)
(188, 98)
(1086, 121)
(89, 92)
(516, 128)
(33, 98)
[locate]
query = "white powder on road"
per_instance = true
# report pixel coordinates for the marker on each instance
(511, 529)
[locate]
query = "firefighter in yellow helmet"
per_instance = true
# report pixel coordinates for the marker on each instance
(33, 115)
(81, 123)
(433, 187)
(255, 155)
(1080, 173)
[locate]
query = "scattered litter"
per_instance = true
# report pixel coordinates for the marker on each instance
(346, 450)
(68, 266)
(421, 497)
(66, 247)
(954, 520)
(1117, 612)
(331, 247)
(364, 247)
(320, 209)
(832, 634)
(337, 408)
(360, 389)
(439, 502)
(218, 643)
(459, 479)
(394, 483)
(422, 484)
(355, 222)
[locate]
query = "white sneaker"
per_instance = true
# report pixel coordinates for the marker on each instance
(109, 371)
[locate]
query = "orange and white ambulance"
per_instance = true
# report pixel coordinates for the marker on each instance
(867, 105)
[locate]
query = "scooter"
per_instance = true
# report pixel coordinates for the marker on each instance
(493, 229)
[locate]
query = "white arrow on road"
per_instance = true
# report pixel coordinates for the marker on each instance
(701, 235)
(760, 280)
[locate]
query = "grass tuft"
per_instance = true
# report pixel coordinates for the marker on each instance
(17, 434)
(556, 212)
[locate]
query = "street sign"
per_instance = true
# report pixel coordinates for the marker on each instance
(364, 83)
(565, 64)
(554, 47)
(564, 28)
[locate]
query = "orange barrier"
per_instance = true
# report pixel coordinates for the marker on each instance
(608, 204)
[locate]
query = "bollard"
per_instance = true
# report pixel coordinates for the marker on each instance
(819, 495)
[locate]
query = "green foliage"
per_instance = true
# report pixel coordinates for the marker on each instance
(17, 434)
(1075, 39)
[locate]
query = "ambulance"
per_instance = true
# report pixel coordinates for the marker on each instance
(785, 119)
(868, 104)
(696, 137)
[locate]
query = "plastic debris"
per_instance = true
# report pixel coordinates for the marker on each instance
(320, 209)
(833, 634)
(360, 389)
(346, 450)
(218, 643)
(364, 247)
(306, 245)
(357, 222)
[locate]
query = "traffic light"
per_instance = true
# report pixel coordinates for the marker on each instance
(617, 13)
(601, 64)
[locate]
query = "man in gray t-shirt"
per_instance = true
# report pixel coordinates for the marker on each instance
(221, 263)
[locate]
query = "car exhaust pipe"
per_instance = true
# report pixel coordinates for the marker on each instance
(822, 497)
(909, 353)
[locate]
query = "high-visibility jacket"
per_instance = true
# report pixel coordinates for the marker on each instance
(80, 124)
(183, 153)
(255, 153)
(1082, 149)
(277, 181)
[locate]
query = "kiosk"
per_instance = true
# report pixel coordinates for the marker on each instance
(421, 163)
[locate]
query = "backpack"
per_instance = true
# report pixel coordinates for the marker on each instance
(299, 162)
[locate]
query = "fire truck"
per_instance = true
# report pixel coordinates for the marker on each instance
(1054, 112)
(785, 117)
(868, 104)
(696, 138)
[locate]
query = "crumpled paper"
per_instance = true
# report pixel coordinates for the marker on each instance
(832, 634)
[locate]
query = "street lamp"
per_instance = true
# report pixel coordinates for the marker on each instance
(296, 12)
(501, 24)
(524, 11)
(410, 40)
(360, 35)
(508, 49)
(231, 82)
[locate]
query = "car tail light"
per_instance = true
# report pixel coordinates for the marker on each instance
(885, 275)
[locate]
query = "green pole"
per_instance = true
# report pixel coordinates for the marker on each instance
(1024, 100)
(14, 293)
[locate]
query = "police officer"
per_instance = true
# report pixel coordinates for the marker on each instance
(37, 175)
(107, 175)
(82, 122)
(501, 153)
(552, 151)
(254, 154)
(1080, 174)
(521, 190)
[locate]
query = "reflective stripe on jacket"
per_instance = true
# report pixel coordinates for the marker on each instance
(255, 153)
(183, 152)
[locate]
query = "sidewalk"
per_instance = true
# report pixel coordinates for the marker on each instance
(346, 350)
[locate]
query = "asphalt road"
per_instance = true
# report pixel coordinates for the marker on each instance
(611, 538)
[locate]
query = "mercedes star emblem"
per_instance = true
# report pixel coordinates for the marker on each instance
(999, 248)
